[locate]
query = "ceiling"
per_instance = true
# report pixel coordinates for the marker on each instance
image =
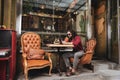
(57, 7)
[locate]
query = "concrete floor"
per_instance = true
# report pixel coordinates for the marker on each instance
(42, 75)
(101, 72)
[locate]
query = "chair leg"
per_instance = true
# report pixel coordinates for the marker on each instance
(50, 69)
(89, 66)
(26, 74)
(92, 67)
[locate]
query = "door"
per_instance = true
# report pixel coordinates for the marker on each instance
(113, 31)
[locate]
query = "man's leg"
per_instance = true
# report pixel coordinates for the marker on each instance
(77, 55)
(67, 62)
(66, 57)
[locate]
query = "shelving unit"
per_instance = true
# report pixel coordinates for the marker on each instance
(8, 62)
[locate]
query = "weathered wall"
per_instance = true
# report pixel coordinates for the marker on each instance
(100, 27)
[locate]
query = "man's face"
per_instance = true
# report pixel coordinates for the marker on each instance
(69, 34)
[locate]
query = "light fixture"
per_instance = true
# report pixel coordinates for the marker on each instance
(75, 12)
(42, 6)
(53, 13)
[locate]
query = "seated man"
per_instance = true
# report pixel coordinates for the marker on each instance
(72, 38)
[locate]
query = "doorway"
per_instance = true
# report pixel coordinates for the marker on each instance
(113, 30)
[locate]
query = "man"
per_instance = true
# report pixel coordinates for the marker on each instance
(72, 38)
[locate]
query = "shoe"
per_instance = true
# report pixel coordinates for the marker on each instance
(68, 73)
(73, 72)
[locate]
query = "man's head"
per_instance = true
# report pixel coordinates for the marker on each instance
(71, 33)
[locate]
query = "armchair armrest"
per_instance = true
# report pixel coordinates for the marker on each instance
(89, 52)
(24, 55)
(24, 59)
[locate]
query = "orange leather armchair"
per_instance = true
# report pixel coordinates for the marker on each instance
(32, 40)
(89, 51)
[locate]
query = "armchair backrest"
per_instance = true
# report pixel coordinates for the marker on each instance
(87, 57)
(30, 40)
(90, 45)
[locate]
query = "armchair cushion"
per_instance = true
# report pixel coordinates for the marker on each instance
(35, 54)
(37, 63)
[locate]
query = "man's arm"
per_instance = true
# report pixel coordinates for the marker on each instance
(64, 42)
(89, 52)
(76, 41)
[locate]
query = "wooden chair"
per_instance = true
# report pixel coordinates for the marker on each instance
(89, 51)
(31, 40)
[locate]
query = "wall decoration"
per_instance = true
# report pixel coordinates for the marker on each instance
(100, 25)
(100, 19)
(82, 23)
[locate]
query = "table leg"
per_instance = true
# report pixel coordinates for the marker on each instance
(58, 65)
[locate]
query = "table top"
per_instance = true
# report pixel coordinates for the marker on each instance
(60, 45)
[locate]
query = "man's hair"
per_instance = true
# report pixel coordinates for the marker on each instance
(73, 33)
